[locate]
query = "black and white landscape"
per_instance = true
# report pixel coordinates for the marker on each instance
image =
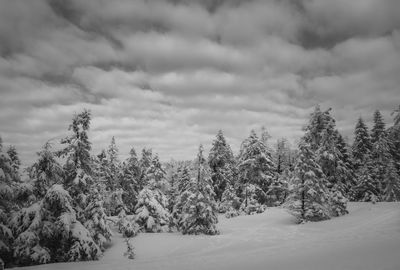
(200, 134)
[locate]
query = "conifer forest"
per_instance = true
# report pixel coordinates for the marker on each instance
(72, 198)
(200, 134)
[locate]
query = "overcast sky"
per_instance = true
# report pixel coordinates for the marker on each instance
(169, 74)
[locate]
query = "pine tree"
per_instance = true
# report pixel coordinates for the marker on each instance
(282, 155)
(309, 197)
(7, 185)
(362, 144)
(78, 167)
(199, 209)
(315, 127)
(329, 158)
(394, 138)
(380, 157)
(230, 202)
(255, 166)
(250, 204)
(183, 186)
(145, 162)
(379, 127)
(391, 193)
(129, 181)
(15, 161)
(96, 220)
(152, 213)
(221, 163)
(367, 189)
(45, 172)
(345, 176)
(49, 231)
(113, 166)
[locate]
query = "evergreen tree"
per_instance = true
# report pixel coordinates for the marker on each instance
(183, 186)
(250, 204)
(49, 231)
(15, 161)
(393, 133)
(199, 209)
(367, 189)
(7, 186)
(381, 157)
(346, 176)
(45, 172)
(255, 166)
(221, 163)
(362, 144)
(329, 158)
(308, 195)
(96, 221)
(379, 127)
(113, 166)
(230, 202)
(282, 155)
(145, 162)
(151, 210)
(315, 127)
(78, 166)
(152, 213)
(391, 193)
(129, 181)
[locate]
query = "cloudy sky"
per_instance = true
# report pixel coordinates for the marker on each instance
(169, 74)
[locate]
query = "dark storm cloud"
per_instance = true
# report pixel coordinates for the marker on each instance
(169, 74)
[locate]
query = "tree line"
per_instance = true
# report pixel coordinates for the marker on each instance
(66, 208)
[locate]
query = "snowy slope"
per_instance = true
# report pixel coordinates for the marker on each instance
(367, 238)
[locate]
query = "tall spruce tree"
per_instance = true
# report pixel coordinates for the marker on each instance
(129, 181)
(7, 186)
(391, 193)
(221, 162)
(367, 189)
(309, 196)
(199, 209)
(379, 127)
(329, 158)
(255, 167)
(78, 166)
(361, 148)
(113, 166)
(151, 210)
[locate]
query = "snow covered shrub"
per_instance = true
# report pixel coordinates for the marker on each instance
(230, 203)
(198, 216)
(338, 202)
(250, 204)
(130, 250)
(126, 226)
(48, 231)
(151, 212)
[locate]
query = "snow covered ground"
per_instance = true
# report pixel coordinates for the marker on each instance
(367, 238)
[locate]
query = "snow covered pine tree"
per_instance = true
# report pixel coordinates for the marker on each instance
(199, 209)
(308, 195)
